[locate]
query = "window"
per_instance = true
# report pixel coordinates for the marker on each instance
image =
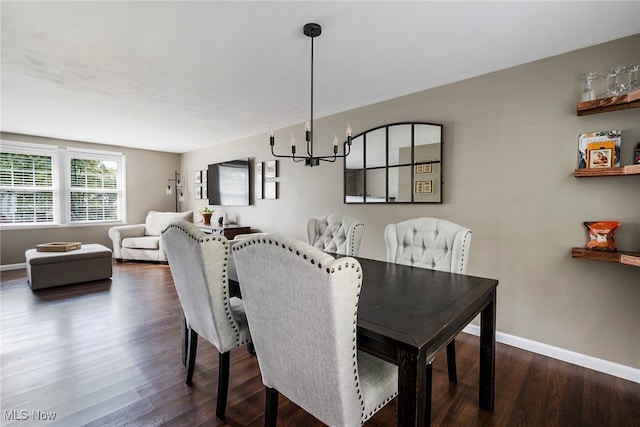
(95, 187)
(87, 188)
(28, 185)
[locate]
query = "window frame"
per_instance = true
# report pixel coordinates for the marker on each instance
(38, 150)
(61, 182)
(99, 155)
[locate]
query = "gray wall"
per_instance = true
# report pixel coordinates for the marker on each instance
(147, 174)
(510, 151)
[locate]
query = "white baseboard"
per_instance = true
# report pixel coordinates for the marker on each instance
(600, 365)
(8, 267)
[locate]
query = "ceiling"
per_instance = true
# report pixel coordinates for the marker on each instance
(178, 76)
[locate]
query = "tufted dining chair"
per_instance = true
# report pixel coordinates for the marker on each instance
(432, 243)
(335, 233)
(198, 264)
(302, 308)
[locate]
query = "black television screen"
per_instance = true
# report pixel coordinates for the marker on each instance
(228, 183)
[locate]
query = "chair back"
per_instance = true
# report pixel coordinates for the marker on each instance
(198, 263)
(301, 307)
(336, 233)
(432, 243)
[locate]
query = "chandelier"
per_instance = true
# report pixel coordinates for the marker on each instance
(312, 31)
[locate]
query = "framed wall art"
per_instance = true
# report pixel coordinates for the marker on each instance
(259, 181)
(424, 187)
(271, 190)
(271, 169)
(423, 168)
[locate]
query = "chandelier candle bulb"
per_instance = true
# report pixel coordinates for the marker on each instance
(272, 137)
(293, 145)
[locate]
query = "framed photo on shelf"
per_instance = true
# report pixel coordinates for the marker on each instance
(198, 177)
(594, 140)
(271, 169)
(259, 184)
(601, 157)
(271, 190)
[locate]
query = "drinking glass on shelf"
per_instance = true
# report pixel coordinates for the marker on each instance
(618, 88)
(589, 94)
(608, 92)
(633, 82)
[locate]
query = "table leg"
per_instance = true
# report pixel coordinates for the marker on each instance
(488, 355)
(414, 390)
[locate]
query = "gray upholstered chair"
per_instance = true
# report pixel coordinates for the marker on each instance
(336, 233)
(302, 307)
(198, 263)
(432, 243)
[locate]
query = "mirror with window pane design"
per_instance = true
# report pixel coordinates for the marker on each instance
(395, 163)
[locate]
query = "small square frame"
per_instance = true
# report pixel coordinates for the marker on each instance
(271, 190)
(271, 169)
(424, 187)
(424, 168)
(600, 158)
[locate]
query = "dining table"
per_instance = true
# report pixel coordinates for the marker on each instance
(406, 315)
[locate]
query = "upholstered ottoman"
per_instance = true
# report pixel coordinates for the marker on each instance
(49, 269)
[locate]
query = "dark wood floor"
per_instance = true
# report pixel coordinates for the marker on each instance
(107, 353)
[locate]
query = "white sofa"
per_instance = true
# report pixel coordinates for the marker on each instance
(143, 242)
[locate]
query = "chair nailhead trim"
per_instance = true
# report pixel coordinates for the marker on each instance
(225, 286)
(354, 349)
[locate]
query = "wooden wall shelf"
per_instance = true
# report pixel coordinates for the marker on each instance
(619, 171)
(615, 103)
(628, 258)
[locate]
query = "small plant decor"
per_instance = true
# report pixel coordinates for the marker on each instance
(206, 213)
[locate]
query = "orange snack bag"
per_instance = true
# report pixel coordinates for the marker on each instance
(601, 235)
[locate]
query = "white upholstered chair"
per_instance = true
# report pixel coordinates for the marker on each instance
(432, 243)
(302, 307)
(336, 233)
(198, 263)
(143, 242)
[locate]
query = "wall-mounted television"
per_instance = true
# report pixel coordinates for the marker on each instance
(228, 183)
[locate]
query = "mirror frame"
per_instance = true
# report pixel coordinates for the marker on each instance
(434, 165)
